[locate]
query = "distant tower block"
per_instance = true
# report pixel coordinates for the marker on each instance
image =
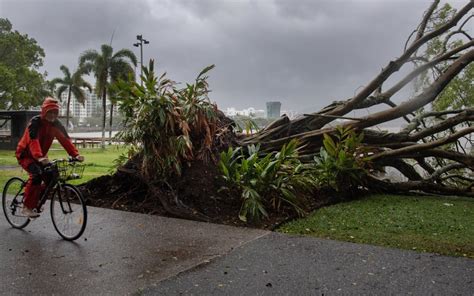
(273, 109)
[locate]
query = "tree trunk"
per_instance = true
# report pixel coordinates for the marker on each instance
(67, 108)
(104, 113)
(110, 121)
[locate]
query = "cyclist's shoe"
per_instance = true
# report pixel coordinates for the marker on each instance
(29, 213)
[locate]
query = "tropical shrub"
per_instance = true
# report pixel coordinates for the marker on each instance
(341, 164)
(167, 125)
(266, 179)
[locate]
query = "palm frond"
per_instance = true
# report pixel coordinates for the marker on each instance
(89, 55)
(120, 69)
(57, 81)
(81, 70)
(67, 73)
(79, 94)
(77, 76)
(87, 67)
(106, 51)
(125, 53)
(87, 85)
(60, 90)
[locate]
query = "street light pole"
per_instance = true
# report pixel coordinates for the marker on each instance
(140, 44)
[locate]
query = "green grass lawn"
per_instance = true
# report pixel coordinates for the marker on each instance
(98, 162)
(428, 224)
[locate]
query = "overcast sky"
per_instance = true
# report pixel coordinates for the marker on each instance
(304, 53)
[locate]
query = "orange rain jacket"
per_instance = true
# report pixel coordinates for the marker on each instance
(39, 136)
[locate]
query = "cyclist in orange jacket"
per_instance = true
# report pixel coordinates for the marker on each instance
(32, 151)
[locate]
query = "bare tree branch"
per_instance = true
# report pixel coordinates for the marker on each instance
(426, 18)
(465, 159)
(408, 78)
(403, 167)
(458, 176)
(419, 186)
(394, 66)
(419, 101)
(424, 146)
(453, 166)
(445, 124)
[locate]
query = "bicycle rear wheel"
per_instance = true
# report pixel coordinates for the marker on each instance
(12, 202)
(68, 212)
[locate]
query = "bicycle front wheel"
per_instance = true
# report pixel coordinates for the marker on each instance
(12, 202)
(68, 212)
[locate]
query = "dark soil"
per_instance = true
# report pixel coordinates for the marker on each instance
(200, 188)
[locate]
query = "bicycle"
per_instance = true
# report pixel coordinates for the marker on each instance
(67, 205)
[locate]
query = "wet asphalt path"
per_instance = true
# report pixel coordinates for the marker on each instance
(126, 253)
(120, 253)
(279, 264)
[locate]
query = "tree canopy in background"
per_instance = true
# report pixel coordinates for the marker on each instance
(22, 85)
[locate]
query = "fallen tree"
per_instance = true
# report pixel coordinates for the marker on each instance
(177, 135)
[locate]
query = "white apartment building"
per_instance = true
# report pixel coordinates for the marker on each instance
(91, 106)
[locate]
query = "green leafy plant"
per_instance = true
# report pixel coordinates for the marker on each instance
(341, 162)
(169, 125)
(266, 179)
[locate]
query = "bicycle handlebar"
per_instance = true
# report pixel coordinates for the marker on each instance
(70, 159)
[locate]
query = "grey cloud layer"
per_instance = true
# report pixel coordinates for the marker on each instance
(304, 53)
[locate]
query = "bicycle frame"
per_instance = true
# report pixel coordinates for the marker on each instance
(54, 185)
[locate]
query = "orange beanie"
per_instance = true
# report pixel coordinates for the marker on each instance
(48, 105)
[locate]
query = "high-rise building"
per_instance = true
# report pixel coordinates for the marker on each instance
(273, 109)
(91, 106)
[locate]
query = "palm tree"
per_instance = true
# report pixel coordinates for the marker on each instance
(107, 68)
(73, 84)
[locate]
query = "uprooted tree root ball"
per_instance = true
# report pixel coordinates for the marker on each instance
(199, 188)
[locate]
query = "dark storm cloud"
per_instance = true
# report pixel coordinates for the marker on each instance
(67, 28)
(69, 24)
(303, 53)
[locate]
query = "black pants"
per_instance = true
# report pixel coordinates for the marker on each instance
(38, 174)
